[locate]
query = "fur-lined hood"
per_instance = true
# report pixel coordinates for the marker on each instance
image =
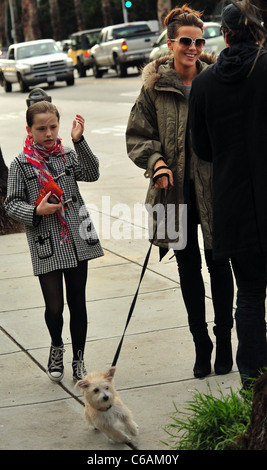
(161, 71)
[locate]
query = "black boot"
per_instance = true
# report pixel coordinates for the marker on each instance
(224, 357)
(202, 365)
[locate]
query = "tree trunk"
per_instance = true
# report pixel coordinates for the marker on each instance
(7, 225)
(79, 15)
(17, 21)
(55, 19)
(30, 22)
(3, 23)
(107, 12)
(163, 8)
(258, 422)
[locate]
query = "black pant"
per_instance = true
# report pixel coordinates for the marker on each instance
(52, 288)
(250, 273)
(192, 285)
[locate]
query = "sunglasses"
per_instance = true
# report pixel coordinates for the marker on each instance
(185, 41)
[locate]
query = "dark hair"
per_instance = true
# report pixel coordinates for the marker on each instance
(182, 16)
(242, 23)
(38, 108)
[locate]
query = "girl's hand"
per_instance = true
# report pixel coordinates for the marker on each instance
(77, 128)
(45, 208)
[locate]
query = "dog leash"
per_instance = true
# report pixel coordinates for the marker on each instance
(139, 284)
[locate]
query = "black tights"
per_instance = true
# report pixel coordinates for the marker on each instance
(52, 288)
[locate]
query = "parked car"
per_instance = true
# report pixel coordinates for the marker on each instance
(3, 52)
(214, 38)
(123, 45)
(33, 62)
(211, 32)
(80, 49)
(160, 48)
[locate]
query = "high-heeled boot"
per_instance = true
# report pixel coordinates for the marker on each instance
(224, 357)
(202, 365)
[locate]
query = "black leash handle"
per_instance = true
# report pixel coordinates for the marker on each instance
(137, 290)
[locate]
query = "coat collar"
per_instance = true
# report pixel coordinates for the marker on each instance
(161, 75)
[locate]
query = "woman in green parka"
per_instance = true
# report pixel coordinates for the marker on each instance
(158, 140)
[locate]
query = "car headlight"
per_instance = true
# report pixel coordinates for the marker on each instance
(24, 68)
(69, 62)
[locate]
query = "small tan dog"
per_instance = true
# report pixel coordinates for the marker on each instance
(105, 410)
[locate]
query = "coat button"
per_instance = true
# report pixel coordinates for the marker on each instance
(40, 239)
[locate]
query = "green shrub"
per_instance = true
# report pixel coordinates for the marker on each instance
(211, 423)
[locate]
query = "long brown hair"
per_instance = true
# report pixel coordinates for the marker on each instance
(182, 16)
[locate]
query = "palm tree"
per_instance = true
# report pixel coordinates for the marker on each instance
(55, 19)
(163, 7)
(107, 12)
(30, 22)
(79, 15)
(3, 23)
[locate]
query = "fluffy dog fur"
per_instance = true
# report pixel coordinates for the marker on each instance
(104, 408)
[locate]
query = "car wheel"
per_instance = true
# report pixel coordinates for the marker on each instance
(23, 86)
(70, 81)
(81, 69)
(121, 69)
(7, 86)
(97, 73)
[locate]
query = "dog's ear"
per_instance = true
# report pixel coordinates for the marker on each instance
(83, 383)
(110, 373)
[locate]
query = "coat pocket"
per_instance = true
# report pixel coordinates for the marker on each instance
(44, 245)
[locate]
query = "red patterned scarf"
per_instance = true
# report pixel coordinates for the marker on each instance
(36, 155)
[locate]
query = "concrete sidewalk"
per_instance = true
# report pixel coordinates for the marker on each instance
(154, 369)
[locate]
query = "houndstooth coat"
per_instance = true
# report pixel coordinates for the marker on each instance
(43, 233)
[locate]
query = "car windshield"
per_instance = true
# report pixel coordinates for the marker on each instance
(211, 32)
(34, 50)
(128, 31)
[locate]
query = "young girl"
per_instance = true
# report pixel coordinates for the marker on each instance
(60, 234)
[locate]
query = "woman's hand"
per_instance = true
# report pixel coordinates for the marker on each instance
(45, 208)
(163, 182)
(77, 128)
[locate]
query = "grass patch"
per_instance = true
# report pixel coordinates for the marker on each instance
(211, 423)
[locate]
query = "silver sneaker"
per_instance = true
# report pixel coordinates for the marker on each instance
(79, 370)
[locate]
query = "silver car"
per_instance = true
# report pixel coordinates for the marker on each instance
(211, 32)
(214, 38)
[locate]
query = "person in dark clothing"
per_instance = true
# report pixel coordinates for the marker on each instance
(158, 140)
(228, 121)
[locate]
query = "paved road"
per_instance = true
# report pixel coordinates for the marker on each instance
(105, 103)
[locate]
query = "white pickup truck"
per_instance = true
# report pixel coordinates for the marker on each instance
(124, 45)
(33, 62)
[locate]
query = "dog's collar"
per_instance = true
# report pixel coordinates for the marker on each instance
(105, 409)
